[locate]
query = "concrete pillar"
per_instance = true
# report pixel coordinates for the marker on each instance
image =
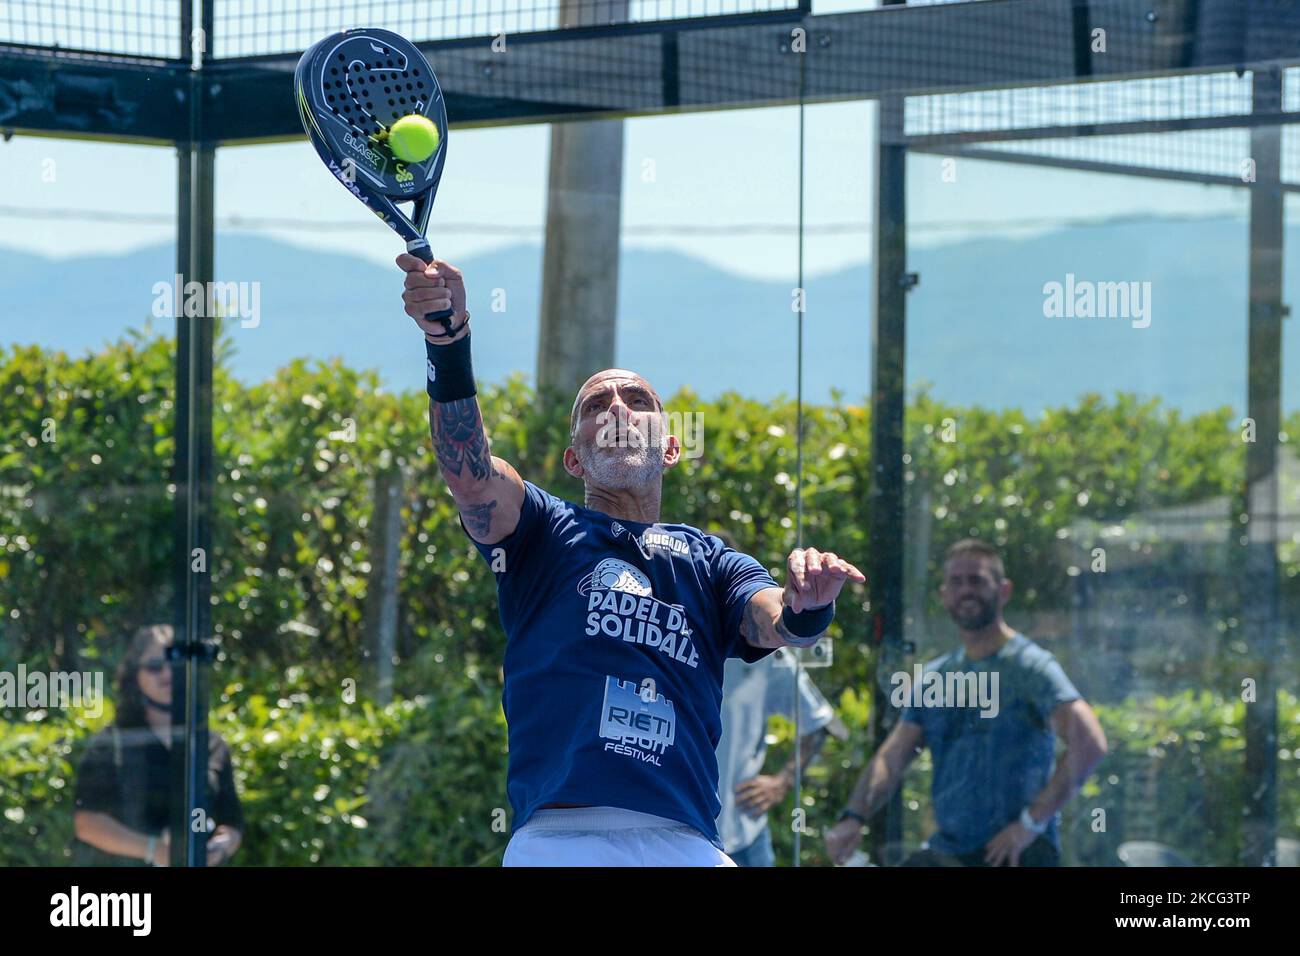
(583, 218)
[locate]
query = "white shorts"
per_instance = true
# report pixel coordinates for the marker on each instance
(609, 836)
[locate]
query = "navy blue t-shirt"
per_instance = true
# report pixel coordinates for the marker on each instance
(616, 636)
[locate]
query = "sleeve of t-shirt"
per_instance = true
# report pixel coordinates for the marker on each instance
(533, 514)
(226, 808)
(815, 711)
(736, 578)
(96, 789)
(1052, 688)
(913, 715)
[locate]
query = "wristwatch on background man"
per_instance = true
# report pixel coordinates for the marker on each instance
(847, 814)
(1027, 821)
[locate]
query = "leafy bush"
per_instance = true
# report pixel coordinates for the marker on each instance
(86, 519)
(422, 781)
(86, 512)
(419, 782)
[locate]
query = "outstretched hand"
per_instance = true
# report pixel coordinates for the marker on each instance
(814, 578)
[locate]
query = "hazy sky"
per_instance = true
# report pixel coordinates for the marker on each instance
(703, 170)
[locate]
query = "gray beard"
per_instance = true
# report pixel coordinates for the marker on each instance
(622, 469)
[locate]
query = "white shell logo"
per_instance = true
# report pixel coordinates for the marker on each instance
(612, 574)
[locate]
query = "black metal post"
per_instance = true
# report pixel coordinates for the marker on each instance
(192, 653)
(1259, 534)
(887, 529)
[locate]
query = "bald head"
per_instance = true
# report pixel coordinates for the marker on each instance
(611, 379)
(619, 440)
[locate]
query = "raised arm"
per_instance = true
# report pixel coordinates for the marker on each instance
(488, 492)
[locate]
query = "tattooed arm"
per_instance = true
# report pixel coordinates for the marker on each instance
(762, 625)
(487, 490)
(813, 579)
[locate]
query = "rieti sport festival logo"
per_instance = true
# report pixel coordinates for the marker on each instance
(621, 605)
(639, 723)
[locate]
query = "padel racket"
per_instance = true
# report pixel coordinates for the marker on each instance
(351, 88)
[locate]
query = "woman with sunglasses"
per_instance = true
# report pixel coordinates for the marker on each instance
(123, 794)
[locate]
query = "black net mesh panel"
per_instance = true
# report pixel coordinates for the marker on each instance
(262, 27)
(1003, 43)
(973, 121)
(1079, 104)
(848, 6)
(636, 72)
(1213, 154)
(1291, 90)
(986, 75)
(146, 28)
(1291, 158)
(1021, 121)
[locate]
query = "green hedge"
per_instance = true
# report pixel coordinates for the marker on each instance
(85, 545)
(422, 781)
(86, 520)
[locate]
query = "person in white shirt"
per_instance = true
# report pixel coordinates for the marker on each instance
(750, 694)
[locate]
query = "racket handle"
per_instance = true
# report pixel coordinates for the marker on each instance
(422, 251)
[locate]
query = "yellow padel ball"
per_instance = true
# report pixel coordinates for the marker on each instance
(413, 139)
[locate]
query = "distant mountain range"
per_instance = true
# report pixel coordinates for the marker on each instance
(977, 333)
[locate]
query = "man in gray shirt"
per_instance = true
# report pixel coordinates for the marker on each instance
(990, 712)
(750, 694)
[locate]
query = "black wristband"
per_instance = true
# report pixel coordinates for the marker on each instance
(808, 625)
(847, 814)
(450, 370)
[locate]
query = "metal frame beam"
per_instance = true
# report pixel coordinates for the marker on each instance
(1089, 166)
(638, 69)
(1133, 128)
(91, 97)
